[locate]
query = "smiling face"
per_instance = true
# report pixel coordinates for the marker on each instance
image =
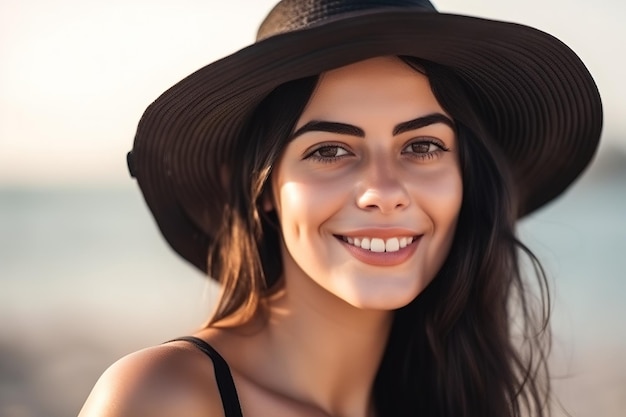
(368, 191)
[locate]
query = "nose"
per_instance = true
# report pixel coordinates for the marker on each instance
(382, 188)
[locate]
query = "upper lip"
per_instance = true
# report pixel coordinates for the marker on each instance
(380, 232)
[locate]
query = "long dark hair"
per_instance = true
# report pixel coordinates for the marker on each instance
(472, 343)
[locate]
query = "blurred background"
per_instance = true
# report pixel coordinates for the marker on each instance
(85, 276)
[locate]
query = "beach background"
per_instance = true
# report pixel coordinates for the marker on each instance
(85, 276)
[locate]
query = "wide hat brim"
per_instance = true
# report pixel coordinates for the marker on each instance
(534, 94)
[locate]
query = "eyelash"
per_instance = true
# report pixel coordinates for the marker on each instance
(314, 153)
(328, 159)
(426, 155)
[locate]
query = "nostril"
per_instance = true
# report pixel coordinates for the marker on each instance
(385, 196)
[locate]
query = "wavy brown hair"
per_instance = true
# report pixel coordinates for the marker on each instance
(475, 341)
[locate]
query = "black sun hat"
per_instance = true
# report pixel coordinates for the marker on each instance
(534, 94)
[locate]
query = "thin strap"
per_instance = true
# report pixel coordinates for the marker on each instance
(223, 377)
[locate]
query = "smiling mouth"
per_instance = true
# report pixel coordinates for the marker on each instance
(379, 245)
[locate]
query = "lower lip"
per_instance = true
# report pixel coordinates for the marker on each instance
(382, 258)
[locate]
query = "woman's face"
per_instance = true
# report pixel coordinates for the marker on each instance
(368, 191)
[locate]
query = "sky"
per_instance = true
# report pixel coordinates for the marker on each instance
(76, 75)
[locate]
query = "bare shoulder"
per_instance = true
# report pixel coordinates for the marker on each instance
(174, 379)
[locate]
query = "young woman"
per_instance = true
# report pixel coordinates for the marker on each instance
(353, 180)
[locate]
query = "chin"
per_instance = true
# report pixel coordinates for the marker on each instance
(390, 296)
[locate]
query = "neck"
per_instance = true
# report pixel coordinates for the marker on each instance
(311, 347)
(327, 350)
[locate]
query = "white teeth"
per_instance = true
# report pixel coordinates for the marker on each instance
(378, 245)
(393, 244)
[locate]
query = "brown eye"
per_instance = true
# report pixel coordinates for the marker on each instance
(421, 147)
(424, 148)
(328, 153)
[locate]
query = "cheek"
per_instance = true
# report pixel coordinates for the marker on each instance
(443, 194)
(292, 208)
(302, 208)
(447, 197)
(308, 200)
(441, 200)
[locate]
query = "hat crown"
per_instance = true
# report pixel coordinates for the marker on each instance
(291, 15)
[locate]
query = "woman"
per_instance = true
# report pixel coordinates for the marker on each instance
(352, 180)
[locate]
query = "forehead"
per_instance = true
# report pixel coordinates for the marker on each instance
(377, 86)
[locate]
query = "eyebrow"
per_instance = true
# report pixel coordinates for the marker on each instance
(351, 130)
(331, 127)
(423, 121)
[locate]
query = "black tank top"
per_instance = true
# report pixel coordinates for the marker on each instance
(223, 377)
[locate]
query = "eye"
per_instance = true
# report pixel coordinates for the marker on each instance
(425, 148)
(327, 153)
